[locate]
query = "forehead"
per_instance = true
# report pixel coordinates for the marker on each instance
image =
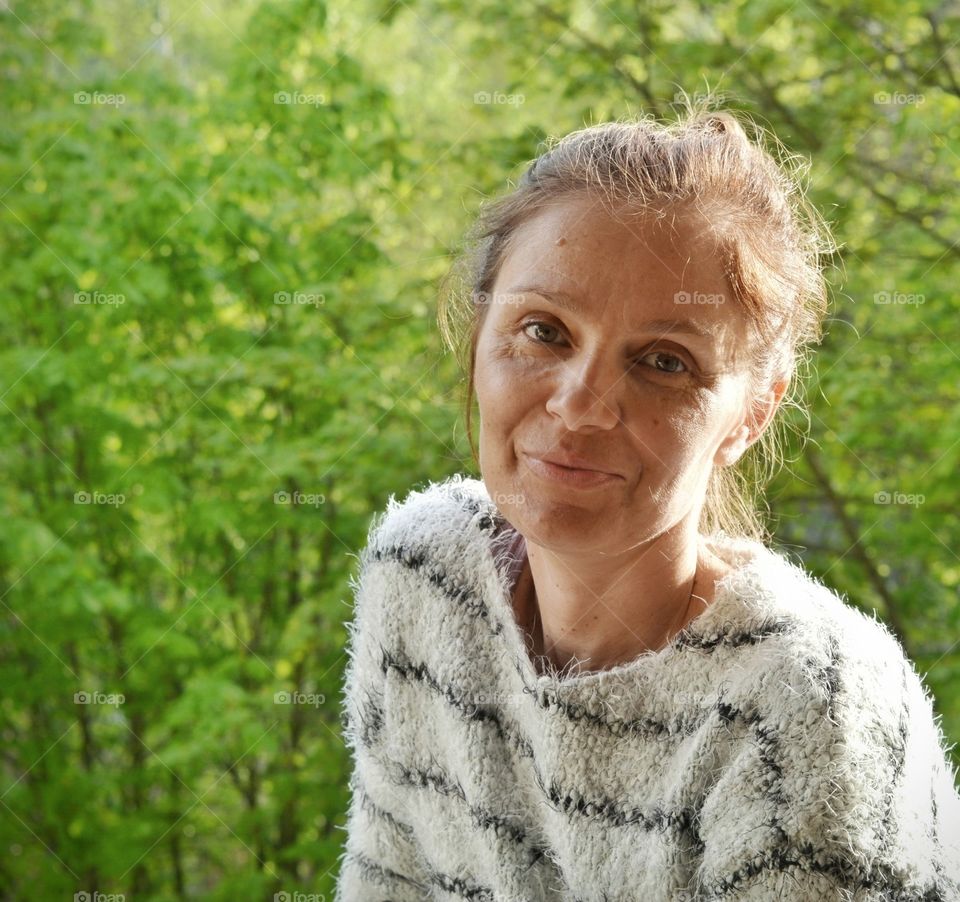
(634, 264)
(582, 227)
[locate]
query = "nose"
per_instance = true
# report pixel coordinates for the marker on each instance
(587, 394)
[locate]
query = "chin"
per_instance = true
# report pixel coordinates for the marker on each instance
(563, 524)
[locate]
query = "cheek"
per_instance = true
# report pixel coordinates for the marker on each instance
(494, 402)
(491, 392)
(671, 424)
(499, 374)
(667, 409)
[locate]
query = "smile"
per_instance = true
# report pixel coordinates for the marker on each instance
(570, 476)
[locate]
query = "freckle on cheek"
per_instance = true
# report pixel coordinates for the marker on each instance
(561, 242)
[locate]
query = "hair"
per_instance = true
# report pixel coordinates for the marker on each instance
(770, 239)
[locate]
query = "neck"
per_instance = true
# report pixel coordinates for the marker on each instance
(604, 610)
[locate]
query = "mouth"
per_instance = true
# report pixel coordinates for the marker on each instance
(570, 462)
(550, 469)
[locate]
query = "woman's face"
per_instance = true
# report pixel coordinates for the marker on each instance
(642, 377)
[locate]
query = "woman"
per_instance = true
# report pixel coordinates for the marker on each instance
(587, 676)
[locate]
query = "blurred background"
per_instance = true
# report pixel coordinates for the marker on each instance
(224, 225)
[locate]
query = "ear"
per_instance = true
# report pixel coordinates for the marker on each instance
(751, 427)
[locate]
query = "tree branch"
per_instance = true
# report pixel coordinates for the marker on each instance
(857, 549)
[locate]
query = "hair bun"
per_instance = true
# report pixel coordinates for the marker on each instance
(723, 123)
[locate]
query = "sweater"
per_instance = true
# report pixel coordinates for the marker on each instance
(781, 746)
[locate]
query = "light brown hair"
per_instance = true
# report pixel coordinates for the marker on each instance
(771, 240)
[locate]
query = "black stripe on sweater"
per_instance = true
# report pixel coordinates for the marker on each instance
(420, 561)
(567, 801)
(482, 817)
(548, 699)
(437, 779)
(653, 820)
(845, 873)
(832, 677)
(897, 760)
(768, 750)
(366, 723)
(734, 638)
(374, 873)
(374, 810)
(466, 889)
(487, 515)
(460, 701)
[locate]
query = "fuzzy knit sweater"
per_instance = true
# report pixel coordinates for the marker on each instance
(781, 746)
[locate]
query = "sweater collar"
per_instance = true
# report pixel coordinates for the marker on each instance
(760, 593)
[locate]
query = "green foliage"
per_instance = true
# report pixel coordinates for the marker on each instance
(219, 293)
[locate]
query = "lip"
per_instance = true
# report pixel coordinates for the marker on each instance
(553, 468)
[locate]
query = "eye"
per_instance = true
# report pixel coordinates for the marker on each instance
(539, 325)
(671, 360)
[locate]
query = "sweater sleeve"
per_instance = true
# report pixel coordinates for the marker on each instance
(381, 858)
(854, 783)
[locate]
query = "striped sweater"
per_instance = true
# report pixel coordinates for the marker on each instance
(781, 746)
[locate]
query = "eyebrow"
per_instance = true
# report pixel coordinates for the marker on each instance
(568, 302)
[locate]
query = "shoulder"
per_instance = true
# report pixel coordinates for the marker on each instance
(846, 731)
(833, 653)
(436, 537)
(416, 544)
(833, 680)
(818, 629)
(429, 514)
(810, 645)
